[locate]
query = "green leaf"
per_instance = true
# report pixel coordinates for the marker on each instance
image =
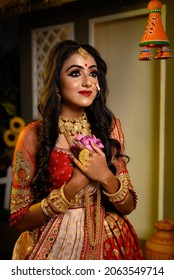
(10, 108)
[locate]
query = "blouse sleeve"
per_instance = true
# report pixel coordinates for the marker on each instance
(23, 171)
(120, 163)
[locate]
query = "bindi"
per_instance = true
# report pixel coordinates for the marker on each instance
(86, 65)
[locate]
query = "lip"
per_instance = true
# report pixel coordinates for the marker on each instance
(85, 92)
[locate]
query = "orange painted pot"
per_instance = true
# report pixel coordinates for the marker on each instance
(160, 245)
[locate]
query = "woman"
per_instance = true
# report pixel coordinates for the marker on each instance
(71, 188)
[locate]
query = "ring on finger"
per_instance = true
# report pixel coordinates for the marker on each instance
(84, 156)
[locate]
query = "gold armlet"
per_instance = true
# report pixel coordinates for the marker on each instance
(47, 210)
(58, 201)
(122, 194)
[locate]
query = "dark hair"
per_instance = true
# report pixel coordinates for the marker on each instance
(99, 116)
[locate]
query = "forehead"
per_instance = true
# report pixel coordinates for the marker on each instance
(78, 59)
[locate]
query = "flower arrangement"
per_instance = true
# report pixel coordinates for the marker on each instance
(10, 128)
(86, 141)
(10, 135)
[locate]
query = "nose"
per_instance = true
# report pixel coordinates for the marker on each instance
(86, 82)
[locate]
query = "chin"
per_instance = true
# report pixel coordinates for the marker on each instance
(86, 105)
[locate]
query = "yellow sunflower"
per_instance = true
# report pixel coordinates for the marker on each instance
(10, 138)
(16, 124)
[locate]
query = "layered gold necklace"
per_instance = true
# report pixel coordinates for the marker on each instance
(70, 127)
(93, 230)
(74, 126)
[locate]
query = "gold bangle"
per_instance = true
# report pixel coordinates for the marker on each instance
(58, 201)
(122, 194)
(46, 209)
(64, 198)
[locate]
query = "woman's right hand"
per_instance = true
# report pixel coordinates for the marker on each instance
(80, 177)
(77, 182)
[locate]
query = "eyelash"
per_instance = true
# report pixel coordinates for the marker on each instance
(76, 73)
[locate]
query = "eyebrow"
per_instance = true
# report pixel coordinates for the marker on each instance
(81, 67)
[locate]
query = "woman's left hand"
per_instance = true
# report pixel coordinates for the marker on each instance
(95, 167)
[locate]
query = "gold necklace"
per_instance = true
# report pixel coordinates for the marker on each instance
(93, 230)
(72, 126)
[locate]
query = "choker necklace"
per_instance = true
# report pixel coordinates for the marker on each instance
(72, 126)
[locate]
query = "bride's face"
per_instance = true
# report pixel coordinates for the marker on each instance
(78, 81)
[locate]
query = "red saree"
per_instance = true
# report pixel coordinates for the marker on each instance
(65, 236)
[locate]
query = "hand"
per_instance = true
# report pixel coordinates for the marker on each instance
(80, 178)
(96, 167)
(77, 182)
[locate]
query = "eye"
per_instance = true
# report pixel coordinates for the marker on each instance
(94, 74)
(75, 73)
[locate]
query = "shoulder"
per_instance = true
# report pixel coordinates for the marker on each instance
(31, 128)
(117, 132)
(28, 135)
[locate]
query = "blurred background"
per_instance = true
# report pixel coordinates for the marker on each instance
(141, 93)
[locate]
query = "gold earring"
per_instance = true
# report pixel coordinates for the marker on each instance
(98, 87)
(58, 94)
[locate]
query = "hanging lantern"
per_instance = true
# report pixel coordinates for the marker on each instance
(145, 54)
(163, 53)
(154, 35)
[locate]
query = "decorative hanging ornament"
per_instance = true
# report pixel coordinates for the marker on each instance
(154, 35)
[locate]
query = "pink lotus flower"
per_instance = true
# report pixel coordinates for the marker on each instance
(86, 141)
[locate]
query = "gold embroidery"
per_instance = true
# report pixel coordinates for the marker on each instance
(24, 245)
(20, 198)
(21, 169)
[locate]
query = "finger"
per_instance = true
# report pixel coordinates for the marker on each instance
(79, 145)
(96, 148)
(79, 165)
(91, 153)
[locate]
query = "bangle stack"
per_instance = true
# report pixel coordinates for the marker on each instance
(55, 202)
(122, 194)
(47, 210)
(58, 201)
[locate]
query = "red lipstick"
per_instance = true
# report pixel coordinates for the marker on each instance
(85, 92)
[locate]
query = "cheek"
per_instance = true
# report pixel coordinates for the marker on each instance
(68, 90)
(68, 84)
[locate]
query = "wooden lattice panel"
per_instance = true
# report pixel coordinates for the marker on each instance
(43, 39)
